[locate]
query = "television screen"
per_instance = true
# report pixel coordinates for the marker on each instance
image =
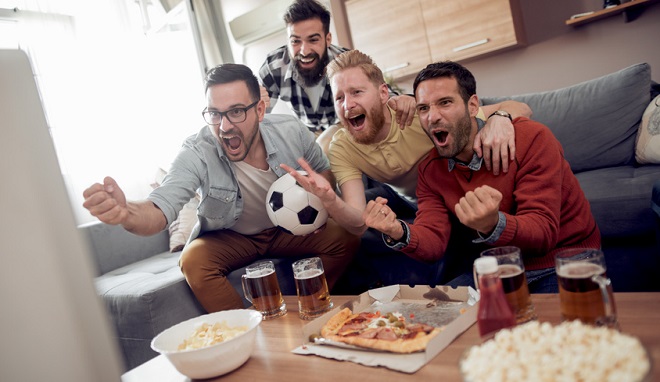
(53, 325)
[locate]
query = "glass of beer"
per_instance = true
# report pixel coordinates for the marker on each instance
(313, 294)
(514, 282)
(585, 292)
(261, 288)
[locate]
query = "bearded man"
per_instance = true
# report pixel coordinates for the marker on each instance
(232, 161)
(295, 73)
(537, 206)
(371, 144)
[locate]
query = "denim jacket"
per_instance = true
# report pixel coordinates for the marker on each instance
(201, 165)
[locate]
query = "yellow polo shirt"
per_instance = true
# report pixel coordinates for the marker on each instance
(392, 161)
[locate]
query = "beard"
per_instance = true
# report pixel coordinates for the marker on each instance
(461, 137)
(374, 120)
(312, 76)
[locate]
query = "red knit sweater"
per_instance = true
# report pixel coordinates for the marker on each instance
(544, 205)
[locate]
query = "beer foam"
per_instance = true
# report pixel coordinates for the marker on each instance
(580, 270)
(308, 274)
(571, 351)
(259, 273)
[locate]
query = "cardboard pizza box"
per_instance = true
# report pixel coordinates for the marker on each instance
(439, 303)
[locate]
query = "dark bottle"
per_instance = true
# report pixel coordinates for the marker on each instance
(494, 312)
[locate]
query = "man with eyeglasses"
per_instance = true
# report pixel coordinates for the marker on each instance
(232, 162)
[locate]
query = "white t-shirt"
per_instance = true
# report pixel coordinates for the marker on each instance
(254, 184)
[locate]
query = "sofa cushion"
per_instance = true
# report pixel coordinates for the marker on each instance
(143, 299)
(596, 121)
(647, 149)
(620, 199)
(114, 247)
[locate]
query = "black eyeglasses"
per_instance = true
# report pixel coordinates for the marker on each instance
(235, 115)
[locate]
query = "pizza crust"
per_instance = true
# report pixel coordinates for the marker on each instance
(336, 322)
(400, 345)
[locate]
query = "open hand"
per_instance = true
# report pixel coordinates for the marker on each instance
(312, 182)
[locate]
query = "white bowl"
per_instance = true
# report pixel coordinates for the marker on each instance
(214, 360)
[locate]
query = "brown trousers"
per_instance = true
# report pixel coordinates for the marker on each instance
(208, 259)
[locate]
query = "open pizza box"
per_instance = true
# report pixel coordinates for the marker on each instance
(452, 308)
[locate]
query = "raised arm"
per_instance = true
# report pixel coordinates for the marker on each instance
(107, 202)
(496, 141)
(515, 108)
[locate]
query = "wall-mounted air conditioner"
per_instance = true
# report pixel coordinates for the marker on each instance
(260, 22)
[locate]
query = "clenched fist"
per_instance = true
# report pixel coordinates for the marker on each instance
(478, 209)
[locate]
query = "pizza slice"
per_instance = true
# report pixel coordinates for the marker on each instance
(389, 332)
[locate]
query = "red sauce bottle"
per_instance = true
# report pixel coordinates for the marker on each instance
(494, 312)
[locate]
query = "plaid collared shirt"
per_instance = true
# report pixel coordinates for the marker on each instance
(278, 76)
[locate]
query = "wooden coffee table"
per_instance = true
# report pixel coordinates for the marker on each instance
(272, 360)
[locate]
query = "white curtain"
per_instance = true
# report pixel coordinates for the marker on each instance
(120, 93)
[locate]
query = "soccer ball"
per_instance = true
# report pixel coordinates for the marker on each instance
(292, 208)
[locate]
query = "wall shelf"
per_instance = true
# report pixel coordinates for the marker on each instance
(630, 11)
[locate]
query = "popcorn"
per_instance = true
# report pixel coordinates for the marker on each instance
(569, 352)
(207, 335)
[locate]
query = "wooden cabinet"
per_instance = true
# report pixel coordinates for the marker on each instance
(391, 32)
(404, 36)
(460, 29)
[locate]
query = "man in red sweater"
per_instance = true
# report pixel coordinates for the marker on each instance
(537, 206)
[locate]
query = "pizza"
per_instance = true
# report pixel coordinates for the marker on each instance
(389, 332)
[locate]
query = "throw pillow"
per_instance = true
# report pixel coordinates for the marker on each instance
(182, 227)
(647, 149)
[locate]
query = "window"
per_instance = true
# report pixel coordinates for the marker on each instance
(8, 34)
(120, 83)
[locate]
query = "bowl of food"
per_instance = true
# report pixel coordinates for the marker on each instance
(210, 345)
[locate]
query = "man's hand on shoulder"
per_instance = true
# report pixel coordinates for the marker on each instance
(405, 107)
(496, 143)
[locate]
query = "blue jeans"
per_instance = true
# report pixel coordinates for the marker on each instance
(538, 281)
(402, 207)
(376, 264)
(542, 281)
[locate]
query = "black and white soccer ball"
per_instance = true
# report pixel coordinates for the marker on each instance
(292, 208)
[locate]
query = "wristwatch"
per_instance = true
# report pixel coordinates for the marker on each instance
(401, 243)
(502, 113)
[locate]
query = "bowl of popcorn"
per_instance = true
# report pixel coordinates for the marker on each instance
(210, 345)
(571, 351)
